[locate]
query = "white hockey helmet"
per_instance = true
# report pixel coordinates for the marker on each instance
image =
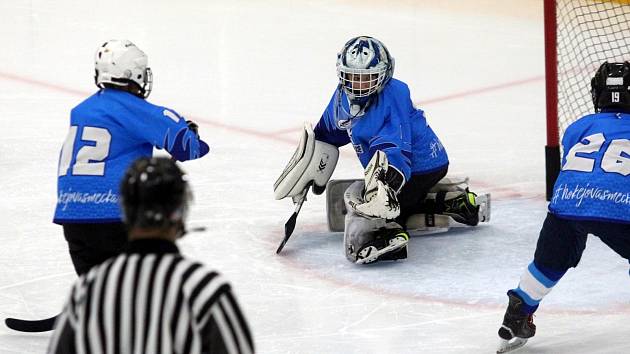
(364, 66)
(119, 62)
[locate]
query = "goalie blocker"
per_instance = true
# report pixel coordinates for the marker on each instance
(312, 164)
(448, 189)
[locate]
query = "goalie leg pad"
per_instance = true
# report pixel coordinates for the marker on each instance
(451, 184)
(335, 205)
(312, 164)
(419, 222)
(367, 240)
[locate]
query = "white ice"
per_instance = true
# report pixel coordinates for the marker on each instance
(250, 72)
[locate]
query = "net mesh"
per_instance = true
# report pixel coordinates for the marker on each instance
(588, 33)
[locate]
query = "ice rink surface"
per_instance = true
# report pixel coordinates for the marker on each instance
(250, 73)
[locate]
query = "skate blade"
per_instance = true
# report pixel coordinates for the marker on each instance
(509, 345)
(373, 256)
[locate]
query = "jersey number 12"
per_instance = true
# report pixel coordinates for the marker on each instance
(89, 159)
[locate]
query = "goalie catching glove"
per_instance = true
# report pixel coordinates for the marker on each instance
(312, 164)
(382, 184)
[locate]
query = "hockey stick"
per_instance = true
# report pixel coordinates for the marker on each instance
(44, 325)
(47, 324)
(290, 224)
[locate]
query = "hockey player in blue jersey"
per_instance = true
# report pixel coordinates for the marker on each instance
(402, 156)
(591, 196)
(108, 131)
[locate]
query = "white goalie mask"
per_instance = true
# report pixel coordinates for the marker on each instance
(118, 62)
(363, 67)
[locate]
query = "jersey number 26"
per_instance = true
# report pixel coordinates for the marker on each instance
(615, 158)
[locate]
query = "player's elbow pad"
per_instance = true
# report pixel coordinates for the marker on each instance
(312, 163)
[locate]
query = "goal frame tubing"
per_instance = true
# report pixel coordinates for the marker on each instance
(552, 148)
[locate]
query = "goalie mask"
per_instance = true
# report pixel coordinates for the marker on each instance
(154, 193)
(610, 85)
(119, 63)
(363, 67)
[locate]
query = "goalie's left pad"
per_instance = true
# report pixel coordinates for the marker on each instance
(337, 208)
(378, 199)
(369, 239)
(312, 164)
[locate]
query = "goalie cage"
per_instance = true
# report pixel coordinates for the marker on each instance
(417, 223)
(579, 36)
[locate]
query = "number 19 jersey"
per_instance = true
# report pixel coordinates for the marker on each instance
(594, 183)
(108, 131)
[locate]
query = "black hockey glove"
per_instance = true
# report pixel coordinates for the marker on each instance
(193, 126)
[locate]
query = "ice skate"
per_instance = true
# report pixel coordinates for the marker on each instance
(384, 246)
(517, 326)
(463, 208)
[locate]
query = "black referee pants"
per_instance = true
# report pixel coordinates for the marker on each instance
(92, 244)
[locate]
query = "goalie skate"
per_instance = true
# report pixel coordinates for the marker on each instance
(417, 224)
(431, 223)
(389, 242)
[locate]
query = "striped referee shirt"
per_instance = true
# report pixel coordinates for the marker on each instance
(151, 300)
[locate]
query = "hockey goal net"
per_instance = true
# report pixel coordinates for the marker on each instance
(579, 36)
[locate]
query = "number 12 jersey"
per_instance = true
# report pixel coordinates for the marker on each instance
(108, 131)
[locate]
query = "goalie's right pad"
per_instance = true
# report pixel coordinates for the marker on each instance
(312, 163)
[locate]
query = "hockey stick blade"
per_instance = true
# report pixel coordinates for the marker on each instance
(288, 230)
(289, 226)
(44, 325)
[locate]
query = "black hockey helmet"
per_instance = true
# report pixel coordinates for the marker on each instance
(609, 86)
(154, 193)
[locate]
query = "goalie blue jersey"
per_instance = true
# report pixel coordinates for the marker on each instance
(594, 182)
(108, 131)
(392, 124)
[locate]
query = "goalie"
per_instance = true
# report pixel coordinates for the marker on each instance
(402, 156)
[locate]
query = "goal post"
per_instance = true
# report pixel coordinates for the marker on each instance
(552, 149)
(579, 36)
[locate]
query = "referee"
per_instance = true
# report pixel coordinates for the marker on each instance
(150, 299)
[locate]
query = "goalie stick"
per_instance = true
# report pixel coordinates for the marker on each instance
(289, 226)
(32, 326)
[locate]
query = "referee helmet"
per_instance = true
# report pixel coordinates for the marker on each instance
(154, 194)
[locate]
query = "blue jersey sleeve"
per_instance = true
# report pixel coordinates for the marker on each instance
(165, 129)
(326, 129)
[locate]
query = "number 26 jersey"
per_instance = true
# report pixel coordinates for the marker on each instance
(594, 183)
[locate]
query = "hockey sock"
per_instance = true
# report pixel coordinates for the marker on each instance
(536, 282)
